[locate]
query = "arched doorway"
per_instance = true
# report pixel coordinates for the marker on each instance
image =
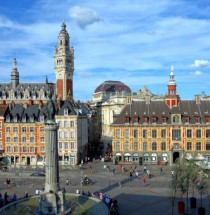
(175, 156)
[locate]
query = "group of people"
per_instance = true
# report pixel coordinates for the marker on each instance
(6, 199)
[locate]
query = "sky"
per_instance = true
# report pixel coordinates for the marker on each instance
(132, 41)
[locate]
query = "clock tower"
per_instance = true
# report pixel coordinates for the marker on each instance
(64, 65)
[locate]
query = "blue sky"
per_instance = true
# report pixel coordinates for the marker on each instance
(133, 41)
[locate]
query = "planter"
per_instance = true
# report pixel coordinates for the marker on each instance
(193, 202)
(181, 207)
(201, 211)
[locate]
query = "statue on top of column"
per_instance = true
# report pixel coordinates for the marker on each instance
(50, 110)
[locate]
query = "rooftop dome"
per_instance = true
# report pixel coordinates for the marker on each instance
(112, 86)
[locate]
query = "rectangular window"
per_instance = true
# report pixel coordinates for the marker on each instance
(198, 146)
(163, 146)
(66, 112)
(41, 129)
(71, 134)
(31, 129)
(42, 139)
(144, 146)
(208, 133)
(65, 124)
(71, 124)
(0, 124)
(15, 129)
(60, 124)
(60, 145)
(145, 119)
(189, 146)
(197, 119)
(144, 133)
(1, 146)
(24, 149)
(8, 139)
(126, 133)
(15, 149)
(32, 149)
(66, 146)
(176, 134)
(117, 133)
(163, 133)
(187, 119)
(198, 133)
(126, 146)
(164, 119)
(59, 134)
(23, 129)
(72, 145)
(154, 146)
(15, 139)
(31, 139)
(8, 149)
(117, 146)
(23, 139)
(189, 133)
(207, 146)
(7, 129)
(136, 146)
(0, 135)
(154, 133)
(65, 134)
(42, 119)
(135, 133)
(42, 149)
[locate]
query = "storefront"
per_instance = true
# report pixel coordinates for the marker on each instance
(154, 157)
(146, 157)
(135, 157)
(118, 157)
(127, 157)
(164, 157)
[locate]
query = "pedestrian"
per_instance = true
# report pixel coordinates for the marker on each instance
(172, 173)
(14, 197)
(80, 166)
(67, 182)
(81, 161)
(5, 197)
(90, 170)
(113, 171)
(145, 169)
(130, 175)
(26, 194)
(37, 192)
(82, 181)
(161, 171)
(104, 166)
(144, 181)
(137, 174)
(107, 168)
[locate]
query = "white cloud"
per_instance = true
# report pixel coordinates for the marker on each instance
(197, 73)
(84, 16)
(201, 63)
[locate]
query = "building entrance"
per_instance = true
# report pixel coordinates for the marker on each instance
(175, 156)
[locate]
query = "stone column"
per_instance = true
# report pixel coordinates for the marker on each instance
(52, 172)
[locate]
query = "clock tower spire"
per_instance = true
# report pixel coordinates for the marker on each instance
(64, 65)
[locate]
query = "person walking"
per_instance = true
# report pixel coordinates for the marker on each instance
(67, 182)
(113, 171)
(137, 174)
(144, 181)
(14, 198)
(145, 169)
(161, 171)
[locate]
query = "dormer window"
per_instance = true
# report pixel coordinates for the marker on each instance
(135, 119)
(187, 119)
(42, 119)
(176, 119)
(24, 119)
(8, 119)
(31, 119)
(197, 119)
(153, 119)
(66, 111)
(15, 119)
(145, 119)
(126, 119)
(164, 119)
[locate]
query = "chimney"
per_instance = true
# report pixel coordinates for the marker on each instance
(147, 99)
(197, 99)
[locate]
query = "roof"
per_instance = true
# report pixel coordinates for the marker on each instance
(112, 86)
(159, 109)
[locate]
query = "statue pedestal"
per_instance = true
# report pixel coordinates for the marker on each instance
(52, 203)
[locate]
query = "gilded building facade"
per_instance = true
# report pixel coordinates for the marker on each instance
(162, 131)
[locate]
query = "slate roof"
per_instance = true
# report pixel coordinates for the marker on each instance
(33, 88)
(159, 109)
(112, 86)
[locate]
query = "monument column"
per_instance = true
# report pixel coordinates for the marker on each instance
(52, 171)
